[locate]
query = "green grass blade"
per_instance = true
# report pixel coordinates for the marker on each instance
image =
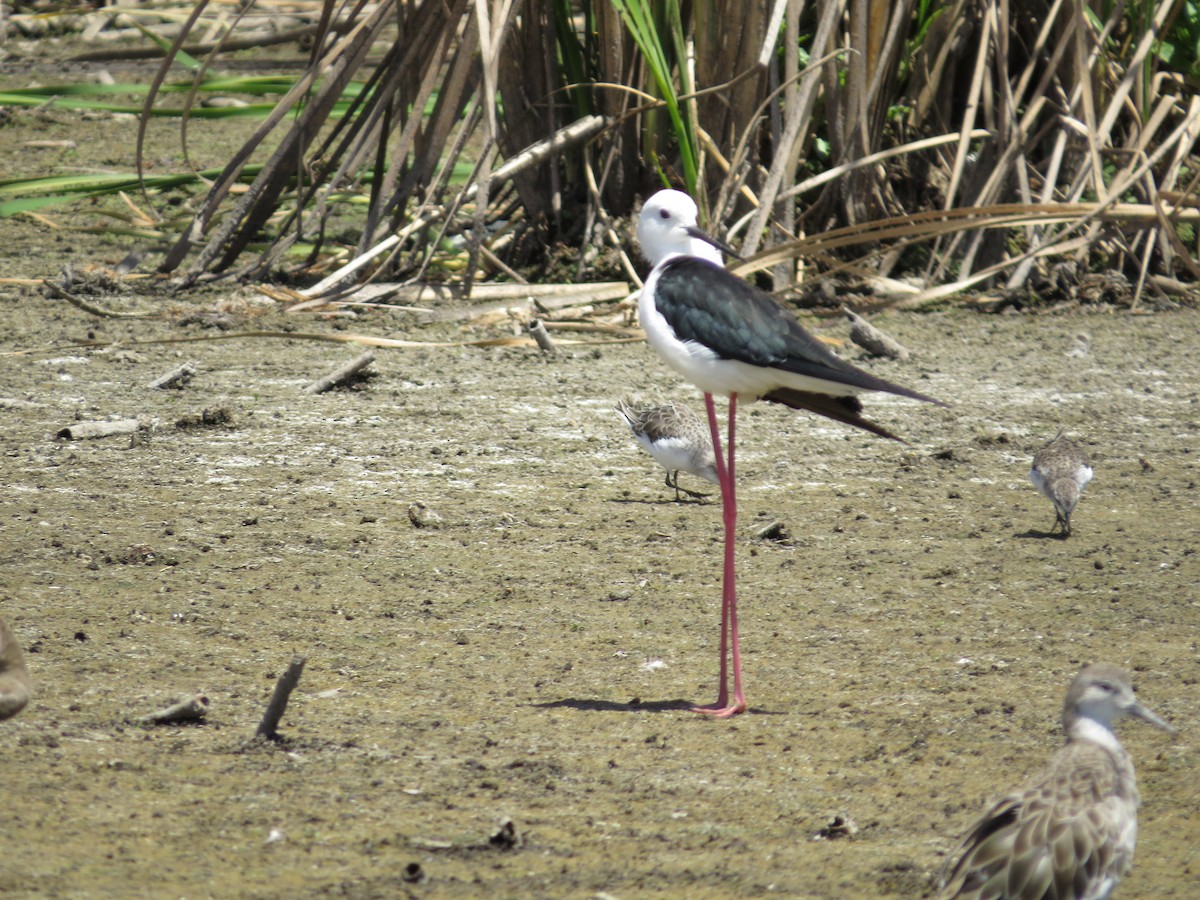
(18, 195)
(184, 59)
(639, 19)
(10, 208)
(85, 103)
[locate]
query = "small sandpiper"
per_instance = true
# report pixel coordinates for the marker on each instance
(1069, 833)
(676, 437)
(15, 687)
(1061, 471)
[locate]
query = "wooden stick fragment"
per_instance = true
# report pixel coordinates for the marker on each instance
(537, 328)
(81, 430)
(177, 377)
(873, 340)
(91, 307)
(569, 312)
(422, 295)
(188, 709)
(342, 375)
(279, 699)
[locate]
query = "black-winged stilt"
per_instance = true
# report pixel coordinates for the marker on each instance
(1061, 471)
(727, 337)
(676, 437)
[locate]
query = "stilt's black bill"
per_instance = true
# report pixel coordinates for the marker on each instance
(709, 239)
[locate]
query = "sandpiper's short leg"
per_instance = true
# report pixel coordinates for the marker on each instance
(1062, 525)
(673, 482)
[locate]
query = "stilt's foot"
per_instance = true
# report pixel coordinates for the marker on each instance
(721, 710)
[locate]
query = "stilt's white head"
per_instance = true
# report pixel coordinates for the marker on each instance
(667, 227)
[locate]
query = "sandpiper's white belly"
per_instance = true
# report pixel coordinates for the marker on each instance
(675, 454)
(1063, 492)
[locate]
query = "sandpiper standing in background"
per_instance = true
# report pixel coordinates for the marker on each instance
(1061, 471)
(1069, 833)
(676, 437)
(727, 337)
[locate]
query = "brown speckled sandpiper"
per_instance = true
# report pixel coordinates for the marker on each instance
(1061, 471)
(1069, 833)
(676, 437)
(15, 686)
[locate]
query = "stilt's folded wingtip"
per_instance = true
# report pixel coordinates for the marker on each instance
(842, 409)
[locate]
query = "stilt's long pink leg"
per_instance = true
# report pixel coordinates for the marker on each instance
(729, 630)
(723, 482)
(729, 581)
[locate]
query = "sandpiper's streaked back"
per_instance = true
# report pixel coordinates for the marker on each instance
(1069, 833)
(1061, 471)
(727, 337)
(15, 687)
(676, 437)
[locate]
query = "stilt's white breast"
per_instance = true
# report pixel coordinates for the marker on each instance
(698, 364)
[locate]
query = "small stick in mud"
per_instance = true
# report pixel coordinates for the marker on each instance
(188, 709)
(279, 699)
(92, 308)
(81, 430)
(537, 328)
(177, 377)
(873, 340)
(342, 375)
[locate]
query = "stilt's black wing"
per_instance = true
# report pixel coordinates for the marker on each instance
(704, 303)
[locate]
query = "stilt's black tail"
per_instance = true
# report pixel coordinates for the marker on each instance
(843, 409)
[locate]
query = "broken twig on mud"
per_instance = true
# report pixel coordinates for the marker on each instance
(91, 307)
(186, 709)
(872, 339)
(177, 377)
(342, 375)
(81, 430)
(279, 699)
(538, 330)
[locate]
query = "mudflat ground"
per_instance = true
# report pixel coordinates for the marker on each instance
(530, 656)
(506, 615)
